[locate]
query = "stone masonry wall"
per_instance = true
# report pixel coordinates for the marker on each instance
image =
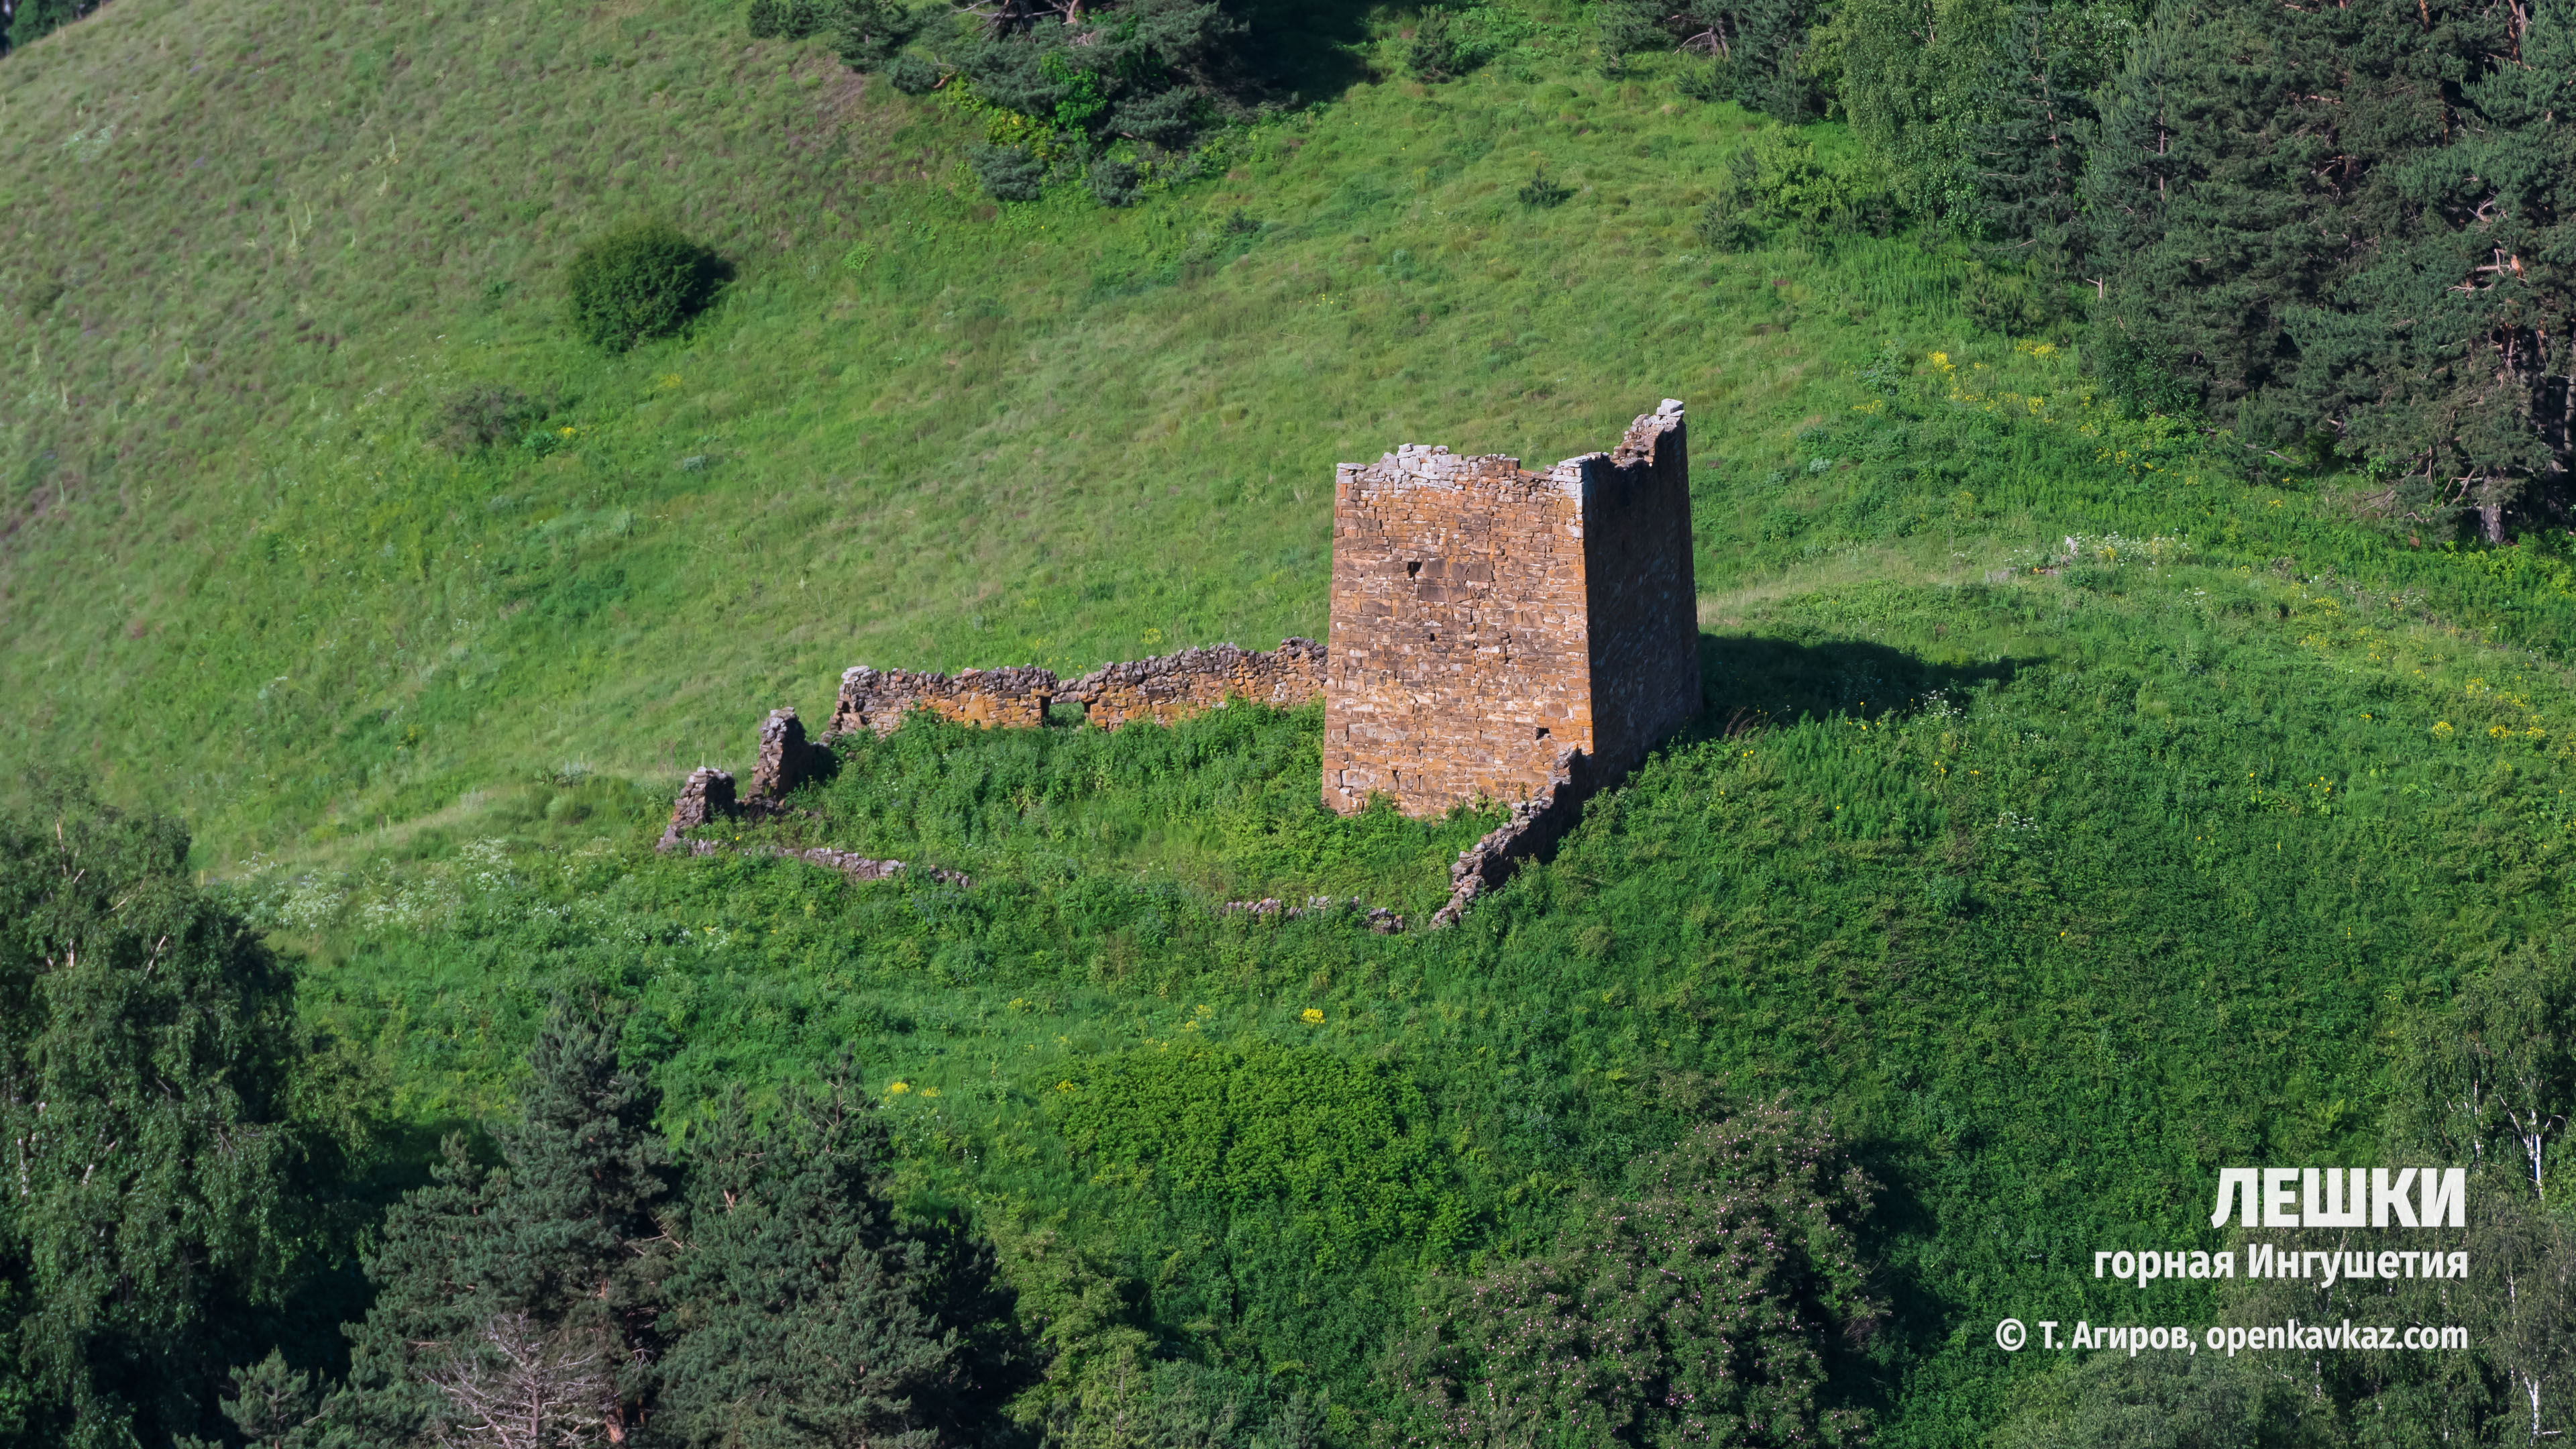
(1643, 596)
(1487, 619)
(877, 699)
(1163, 689)
(1456, 667)
(1173, 686)
(786, 759)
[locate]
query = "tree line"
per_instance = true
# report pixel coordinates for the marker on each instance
(183, 1224)
(22, 21)
(2337, 235)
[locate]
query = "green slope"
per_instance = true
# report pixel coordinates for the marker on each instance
(2059, 897)
(261, 242)
(2059, 876)
(260, 245)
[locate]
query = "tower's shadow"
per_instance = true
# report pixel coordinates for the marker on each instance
(1748, 681)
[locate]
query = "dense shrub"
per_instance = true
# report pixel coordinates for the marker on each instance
(1706, 1308)
(2013, 302)
(867, 33)
(1114, 182)
(1760, 49)
(1728, 231)
(912, 75)
(1443, 49)
(785, 19)
(1711, 82)
(1782, 180)
(870, 33)
(1343, 1143)
(1079, 78)
(1008, 173)
(640, 282)
(1542, 192)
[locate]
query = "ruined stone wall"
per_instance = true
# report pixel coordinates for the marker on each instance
(1485, 620)
(877, 699)
(1173, 686)
(1163, 689)
(786, 759)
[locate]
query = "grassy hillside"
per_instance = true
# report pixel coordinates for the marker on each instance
(2068, 818)
(263, 242)
(921, 431)
(2058, 895)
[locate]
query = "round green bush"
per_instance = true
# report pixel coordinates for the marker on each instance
(645, 280)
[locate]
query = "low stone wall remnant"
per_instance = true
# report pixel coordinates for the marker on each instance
(787, 759)
(706, 797)
(859, 867)
(1163, 689)
(1379, 918)
(878, 699)
(856, 867)
(1533, 825)
(1174, 686)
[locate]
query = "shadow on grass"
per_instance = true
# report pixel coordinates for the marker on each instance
(1305, 52)
(1916, 1317)
(1748, 682)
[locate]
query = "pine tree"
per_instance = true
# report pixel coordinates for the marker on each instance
(160, 1189)
(807, 1313)
(555, 1257)
(2205, 202)
(2341, 229)
(2029, 151)
(2445, 353)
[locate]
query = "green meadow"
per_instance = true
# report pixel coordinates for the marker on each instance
(2068, 817)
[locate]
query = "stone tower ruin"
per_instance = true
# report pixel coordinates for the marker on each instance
(1495, 631)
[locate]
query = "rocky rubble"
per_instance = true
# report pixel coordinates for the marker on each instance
(1379, 918)
(1532, 826)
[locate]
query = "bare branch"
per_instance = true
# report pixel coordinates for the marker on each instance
(519, 1387)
